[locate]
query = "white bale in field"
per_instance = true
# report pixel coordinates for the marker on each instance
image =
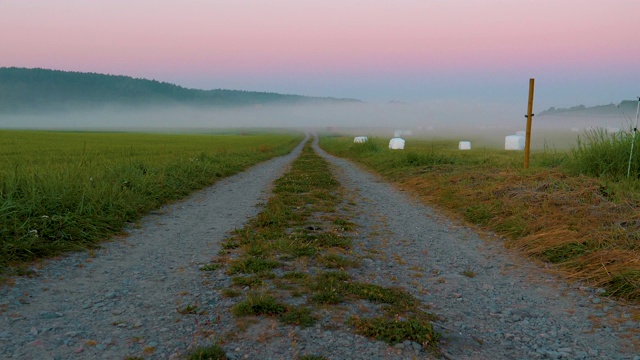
(464, 145)
(521, 133)
(360, 139)
(514, 142)
(396, 143)
(575, 129)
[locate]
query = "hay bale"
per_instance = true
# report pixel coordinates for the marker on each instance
(514, 142)
(396, 143)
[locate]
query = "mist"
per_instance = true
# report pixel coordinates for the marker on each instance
(485, 122)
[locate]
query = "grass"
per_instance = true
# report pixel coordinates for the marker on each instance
(306, 225)
(574, 209)
(68, 191)
(394, 331)
(601, 153)
(213, 352)
(259, 304)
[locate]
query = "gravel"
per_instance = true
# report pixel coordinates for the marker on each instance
(124, 299)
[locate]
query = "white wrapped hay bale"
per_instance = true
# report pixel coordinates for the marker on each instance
(396, 143)
(360, 139)
(464, 145)
(514, 142)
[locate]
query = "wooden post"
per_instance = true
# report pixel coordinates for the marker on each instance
(527, 144)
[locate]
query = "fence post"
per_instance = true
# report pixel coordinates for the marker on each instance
(527, 144)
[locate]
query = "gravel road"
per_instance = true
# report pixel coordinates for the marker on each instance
(122, 300)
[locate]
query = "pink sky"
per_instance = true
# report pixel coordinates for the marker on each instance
(368, 49)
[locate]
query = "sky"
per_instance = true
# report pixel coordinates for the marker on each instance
(416, 51)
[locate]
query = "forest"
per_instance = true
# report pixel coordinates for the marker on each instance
(42, 90)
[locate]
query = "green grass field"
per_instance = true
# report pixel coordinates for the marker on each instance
(62, 191)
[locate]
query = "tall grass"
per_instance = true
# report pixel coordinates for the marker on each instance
(67, 191)
(604, 154)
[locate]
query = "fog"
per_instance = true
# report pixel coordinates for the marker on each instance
(485, 122)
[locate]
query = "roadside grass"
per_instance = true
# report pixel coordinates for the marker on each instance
(68, 191)
(301, 247)
(564, 209)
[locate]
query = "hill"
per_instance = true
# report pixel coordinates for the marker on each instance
(42, 90)
(626, 108)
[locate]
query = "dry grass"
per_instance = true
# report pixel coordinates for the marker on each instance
(569, 221)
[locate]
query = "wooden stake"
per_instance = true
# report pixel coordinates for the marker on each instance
(527, 144)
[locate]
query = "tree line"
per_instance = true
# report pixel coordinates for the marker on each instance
(33, 90)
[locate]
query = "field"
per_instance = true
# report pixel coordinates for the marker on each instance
(62, 191)
(588, 226)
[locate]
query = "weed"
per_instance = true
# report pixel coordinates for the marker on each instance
(211, 267)
(230, 293)
(295, 276)
(345, 225)
(334, 261)
(394, 331)
(213, 352)
(250, 281)
(189, 309)
(469, 273)
(392, 296)
(251, 265)
(259, 304)
(300, 316)
(334, 240)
